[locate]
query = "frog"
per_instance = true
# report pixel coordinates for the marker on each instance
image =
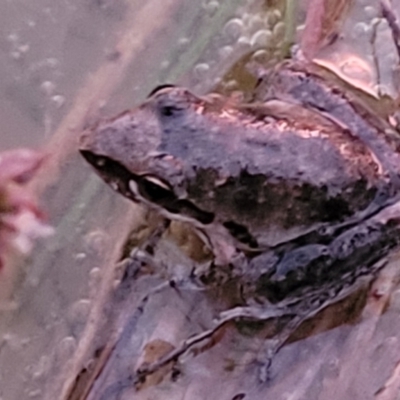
(295, 191)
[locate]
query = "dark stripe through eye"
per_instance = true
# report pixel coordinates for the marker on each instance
(155, 192)
(160, 194)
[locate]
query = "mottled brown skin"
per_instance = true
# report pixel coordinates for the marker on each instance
(285, 174)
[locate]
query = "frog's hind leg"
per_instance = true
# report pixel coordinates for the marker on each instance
(234, 314)
(272, 347)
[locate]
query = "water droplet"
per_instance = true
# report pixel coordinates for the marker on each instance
(233, 28)
(65, 349)
(23, 48)
(12, 37)
(260, 56)
(261, 38)
(35, 393)
(245, 17)
(371, 12)
(47, 87)
(77, 316)
(225, 51)
(16, 55)
(395, 300)
(211, 6)
(279, 31)
(256, 23)
(244, 42)
(231, 85)
(41, 367)
(356, 68)
(95, 242)
(273, 17)
(164, 64)
(201, 70)
(94, 281)
(58, 100)
(183, 42)
(359, 30)
(80, 256)
(52, 62)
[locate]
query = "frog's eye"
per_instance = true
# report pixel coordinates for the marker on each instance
(159, 88)
(155, 190)
(170, 110)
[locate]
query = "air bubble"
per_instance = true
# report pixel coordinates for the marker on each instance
(233, 28)
(261, 38)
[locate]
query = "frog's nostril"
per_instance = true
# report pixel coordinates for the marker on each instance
(85, 139)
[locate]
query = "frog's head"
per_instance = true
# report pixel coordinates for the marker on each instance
(139, 153)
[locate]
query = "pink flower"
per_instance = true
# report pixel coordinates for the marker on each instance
(21, 221)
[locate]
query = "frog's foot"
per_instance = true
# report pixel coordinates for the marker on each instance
(272, 347)
(237, 313)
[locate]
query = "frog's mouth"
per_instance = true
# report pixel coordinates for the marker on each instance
(146, 189)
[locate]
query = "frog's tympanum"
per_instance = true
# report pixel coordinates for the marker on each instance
(296, 190)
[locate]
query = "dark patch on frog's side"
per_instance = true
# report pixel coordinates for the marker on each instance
(240, 233)
(253, 200)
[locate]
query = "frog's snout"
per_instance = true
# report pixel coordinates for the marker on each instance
(89, 139)
(84, 140)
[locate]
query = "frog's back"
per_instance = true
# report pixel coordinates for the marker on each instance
(277, 169)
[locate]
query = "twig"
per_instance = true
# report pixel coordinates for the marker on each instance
(390, 16)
